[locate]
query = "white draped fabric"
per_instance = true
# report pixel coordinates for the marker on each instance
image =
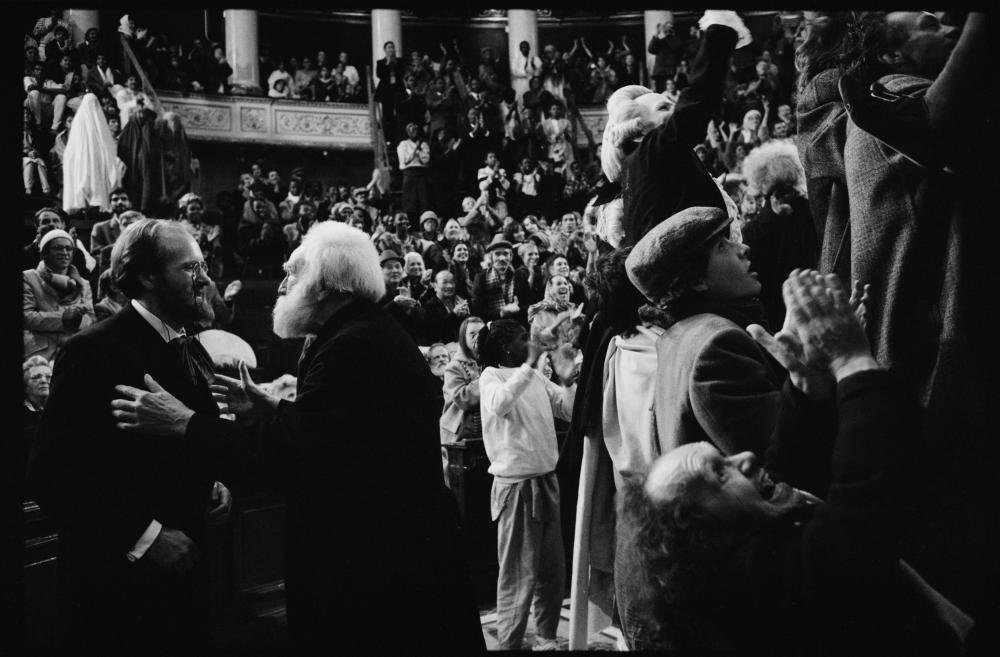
(91, 168)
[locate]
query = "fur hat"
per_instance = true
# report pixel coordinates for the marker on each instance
(430, 214)
(774, 163)
(658, 257)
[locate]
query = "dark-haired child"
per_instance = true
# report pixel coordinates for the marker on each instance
(519, 406)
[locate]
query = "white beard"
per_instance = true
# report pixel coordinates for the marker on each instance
(293, 314)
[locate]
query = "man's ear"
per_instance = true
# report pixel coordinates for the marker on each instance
(146, 281)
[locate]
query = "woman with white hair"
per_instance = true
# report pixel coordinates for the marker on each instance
(649, 148)
(782, 236)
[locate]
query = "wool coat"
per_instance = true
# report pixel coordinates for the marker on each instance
(357, 458)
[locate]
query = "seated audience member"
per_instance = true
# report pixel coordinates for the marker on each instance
(35, 169)
(47, 219)
(464, 268)
(104, 233)
(398, 301)
(737, 556)
(417, 276)
(57, 299)
(519, 407)
(278, 88)
(496, 292)
(258, 192)
(443, 309)
(37, 372)
(111, 298)
(438, 358)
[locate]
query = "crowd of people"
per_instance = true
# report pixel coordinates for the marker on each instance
(756, 425)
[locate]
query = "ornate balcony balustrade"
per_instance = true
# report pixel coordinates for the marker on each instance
(252, 120)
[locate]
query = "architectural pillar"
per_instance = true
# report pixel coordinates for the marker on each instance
(241, 47)
(81, 20)
(387, 25)
(652, 17)
(522, 25)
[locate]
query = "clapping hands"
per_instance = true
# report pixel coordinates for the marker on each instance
(823, 338)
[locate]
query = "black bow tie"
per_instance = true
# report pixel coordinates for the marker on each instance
(194, 359)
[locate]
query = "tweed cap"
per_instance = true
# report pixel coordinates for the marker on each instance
(658, 257)
(389, 255)
(498, 242)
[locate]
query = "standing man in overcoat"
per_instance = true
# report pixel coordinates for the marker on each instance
(131, 510)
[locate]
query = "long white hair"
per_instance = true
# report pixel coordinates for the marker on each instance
(624, 124)
(774, 163)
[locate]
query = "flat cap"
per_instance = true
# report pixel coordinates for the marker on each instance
(498, 242)
(657, 259)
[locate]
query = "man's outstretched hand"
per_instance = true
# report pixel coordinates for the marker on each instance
(242, 396)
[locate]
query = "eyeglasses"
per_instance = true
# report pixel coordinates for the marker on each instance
(195, 268)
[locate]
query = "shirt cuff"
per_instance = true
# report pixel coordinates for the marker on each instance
(145, 541)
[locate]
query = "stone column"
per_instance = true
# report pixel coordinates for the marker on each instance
(387, 25)
(522, 25)
(650, 18)
(241, 47)
(81, 20)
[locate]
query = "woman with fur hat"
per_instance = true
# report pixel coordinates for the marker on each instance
(649, 147)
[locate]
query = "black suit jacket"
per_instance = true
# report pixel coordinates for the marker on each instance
(368, 514)
(103, 487)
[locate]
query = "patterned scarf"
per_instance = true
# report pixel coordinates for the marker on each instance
(499, 289)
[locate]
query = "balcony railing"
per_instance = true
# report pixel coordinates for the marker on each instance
(253, 120)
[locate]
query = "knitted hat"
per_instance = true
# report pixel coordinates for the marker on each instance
(53, 234)
(387, 256)
(658, 257)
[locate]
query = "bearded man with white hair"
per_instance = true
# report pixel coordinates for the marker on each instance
(359, 456)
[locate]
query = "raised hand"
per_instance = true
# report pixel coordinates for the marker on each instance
(243, 396)
(564, 364)
(811, 378)
(220, 504)
(820, 311)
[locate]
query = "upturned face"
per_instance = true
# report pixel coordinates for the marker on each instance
(559, 288)
(445, 284)
(728, 276)
(461, 253)
(733, 491)
(452, 230)
(559, 267)
(530, 256)
(438, 358)
(654, 110)
(49, 220)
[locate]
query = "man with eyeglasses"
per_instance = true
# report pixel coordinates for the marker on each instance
(132, 511)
